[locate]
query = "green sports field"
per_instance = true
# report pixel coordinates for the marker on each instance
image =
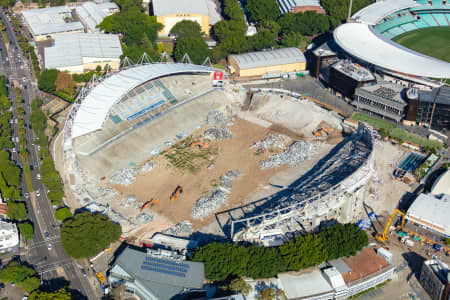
(433, 41)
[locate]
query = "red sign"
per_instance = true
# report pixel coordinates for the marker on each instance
(218, 75)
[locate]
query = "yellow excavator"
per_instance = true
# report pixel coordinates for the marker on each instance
(201, 145)
(320, 131)
(383, 237)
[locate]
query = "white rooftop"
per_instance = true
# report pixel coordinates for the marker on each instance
(97, 104)
(276, 57)
(375, 12)
(92, 14)
(285, 6)
(361, 41)
(201, 7)
(442, 184)
(432, 210)
(353, 70)
(69, 49)
(304, 285)
(50, 20)
(9, 235)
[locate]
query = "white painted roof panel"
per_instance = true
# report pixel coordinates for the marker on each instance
(50, 20)
(373, 13)
(97, 104)
(276, 57)
(432, 209)
(361, 41)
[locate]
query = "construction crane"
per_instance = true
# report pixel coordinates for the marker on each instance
(176, 193)
(201, 145)
(150, 202)
(383, 237)
(320, 131)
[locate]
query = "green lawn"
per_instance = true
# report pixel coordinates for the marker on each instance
(433, 41)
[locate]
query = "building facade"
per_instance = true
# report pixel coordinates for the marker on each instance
(430, 108)
(434, 278)
(346, 76)
(384, 100)
(170, 12)
(261, 63)
(9, 237)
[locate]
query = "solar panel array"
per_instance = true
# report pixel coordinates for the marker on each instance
(165, 266)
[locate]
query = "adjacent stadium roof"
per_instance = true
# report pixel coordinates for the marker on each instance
(92, 14)
(201, 7)
(96, 105)
(70, 49)
(361, 41)
(50, 20)
(432, 211)
(375, 12)
(442, 184)
(276, 57)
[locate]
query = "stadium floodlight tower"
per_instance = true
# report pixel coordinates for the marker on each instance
(349, 11)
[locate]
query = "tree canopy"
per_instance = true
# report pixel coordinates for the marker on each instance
(61, 294)
(16, 210)
(26, 230)
(226, 261)
(47, 80)
(262, 10)
(86, 234)
(63, 213)
(186, 28)
(195, 47)
(22, 275)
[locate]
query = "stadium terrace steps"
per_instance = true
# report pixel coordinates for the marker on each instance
(422, 1)
(440, 19)
(447, 16)
(409, 27)
(421, 24)
(396, 31)
(429, 20)
(395, 22)
(437, 4)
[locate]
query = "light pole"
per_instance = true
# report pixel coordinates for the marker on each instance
(349, 11)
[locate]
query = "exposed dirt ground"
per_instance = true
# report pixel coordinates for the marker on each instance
(234, 154)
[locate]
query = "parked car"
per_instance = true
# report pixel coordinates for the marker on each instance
(83, 271)
(49, 247)
(47, 235)
(38, 176)
(38, 193)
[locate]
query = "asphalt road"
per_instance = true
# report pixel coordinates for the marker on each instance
(44, 252)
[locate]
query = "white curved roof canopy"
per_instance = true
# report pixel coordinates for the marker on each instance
(361, 41)
(373, 13)
(97, 104)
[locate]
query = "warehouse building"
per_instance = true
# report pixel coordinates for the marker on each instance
(430, 108)
(9, 237)
(267, 63)
(156, 274)
(346, 76)
(91, 14)
(46, 23)
(384, 100)
(81, 52)
(295, 6)
(170, 12)
(431, 212)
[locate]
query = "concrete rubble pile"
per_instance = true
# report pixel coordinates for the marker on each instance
(218, 133)
(212, 202)
(147, 167)
(130, 201)
(181, 229)
(295, 154)
(218, 119)
(144, 218)
(125, 176)
(272, 141)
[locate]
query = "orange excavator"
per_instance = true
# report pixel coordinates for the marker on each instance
(176, 193)
(319, 131)
(150, 202)
(201, 145)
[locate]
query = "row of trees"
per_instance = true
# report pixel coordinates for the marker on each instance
(226, 261)
(49, 176)
(23, 276)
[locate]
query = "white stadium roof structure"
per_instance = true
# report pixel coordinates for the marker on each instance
(96, 105)
(373, 13)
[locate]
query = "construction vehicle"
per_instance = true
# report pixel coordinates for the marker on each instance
(320, 131)
(384, 236)
(100, 277)
(176, 193)
(201, 145)
(151, 202)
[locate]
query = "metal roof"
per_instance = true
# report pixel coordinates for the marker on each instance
(285, 6)
(432, 210)
(69, 49)
(92, 14)
(201, 7)
(373, 13)
(97, 104)
(50, 20)
(442, 184)
(304, 285)
(361, 41)
(439, 95)
(153, 279)
(276, 57)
